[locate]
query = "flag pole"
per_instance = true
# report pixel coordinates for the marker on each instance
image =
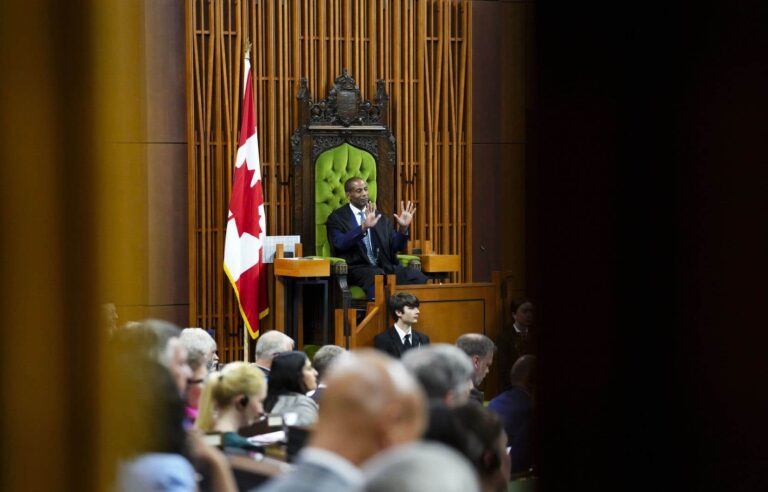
(246, 335)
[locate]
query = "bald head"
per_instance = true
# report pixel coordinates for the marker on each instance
(371, 396)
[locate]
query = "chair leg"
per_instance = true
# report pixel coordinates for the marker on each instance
(344, 287)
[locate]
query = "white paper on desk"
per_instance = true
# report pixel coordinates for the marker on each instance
(268, 438)
(289, 242)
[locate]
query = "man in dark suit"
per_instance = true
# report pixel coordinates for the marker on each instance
(367, 241)
(480, 349)
(401, 336)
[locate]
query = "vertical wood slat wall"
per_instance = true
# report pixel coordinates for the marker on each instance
(421, 48)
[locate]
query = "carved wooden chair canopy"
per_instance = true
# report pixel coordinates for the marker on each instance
(340, 137)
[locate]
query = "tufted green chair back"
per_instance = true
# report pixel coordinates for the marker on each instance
(332, 169)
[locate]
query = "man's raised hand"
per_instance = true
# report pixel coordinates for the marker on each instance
(406, 214)
(371, 219)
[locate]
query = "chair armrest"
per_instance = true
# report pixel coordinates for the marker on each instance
(338, 265)
(410, 261)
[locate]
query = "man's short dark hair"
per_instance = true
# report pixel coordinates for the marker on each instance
(517, 303)
(348, 183)
(476, 344)
(402, 299)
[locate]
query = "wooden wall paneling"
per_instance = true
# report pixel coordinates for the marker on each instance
(285, 95)
(193, 102)
(421, 102)
(295, 73)
(397, 123)
(466, 138)
(219, 155)
(322, 68)
(204, 164)
(373, 41)
(430, 129)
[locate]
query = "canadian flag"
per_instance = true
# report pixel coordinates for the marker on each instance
(246, 224)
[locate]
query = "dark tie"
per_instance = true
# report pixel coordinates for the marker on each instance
(367, 241)
(407, 341)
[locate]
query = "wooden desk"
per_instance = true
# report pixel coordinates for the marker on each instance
(293, 272)
(302, 267)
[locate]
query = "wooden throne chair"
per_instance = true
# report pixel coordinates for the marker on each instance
(340, 137)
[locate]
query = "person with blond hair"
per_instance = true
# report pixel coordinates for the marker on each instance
(232, 399)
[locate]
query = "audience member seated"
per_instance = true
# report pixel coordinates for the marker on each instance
(290, 379)
(400, 337)
(521, 338)
(200, 345)
(444, 371)
(271, 343)
(154, 452)
(166, 349)
(322, 359)
(445, 374)
(420, 467)
(370, 404)
(232, 399)
(515, 408)
(480, 349)
(486, 446)
(201, 357)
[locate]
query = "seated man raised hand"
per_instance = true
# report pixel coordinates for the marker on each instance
(365, 238)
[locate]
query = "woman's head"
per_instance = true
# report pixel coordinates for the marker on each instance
(291, 373)
(486, 444)
(238, 386)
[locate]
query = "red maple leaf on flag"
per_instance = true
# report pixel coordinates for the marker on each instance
(245, 201)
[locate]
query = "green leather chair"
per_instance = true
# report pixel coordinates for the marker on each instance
(332, 169)
(340, 137)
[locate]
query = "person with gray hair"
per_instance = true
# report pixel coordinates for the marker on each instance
(322, 359)
(201, 348)
(201, 357)
(420, 467)
(444, 371)
(271, 343)
(158, 340)
(480, 349)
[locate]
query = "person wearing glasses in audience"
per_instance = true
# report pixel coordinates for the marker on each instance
(232, 399)
(202, 358)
